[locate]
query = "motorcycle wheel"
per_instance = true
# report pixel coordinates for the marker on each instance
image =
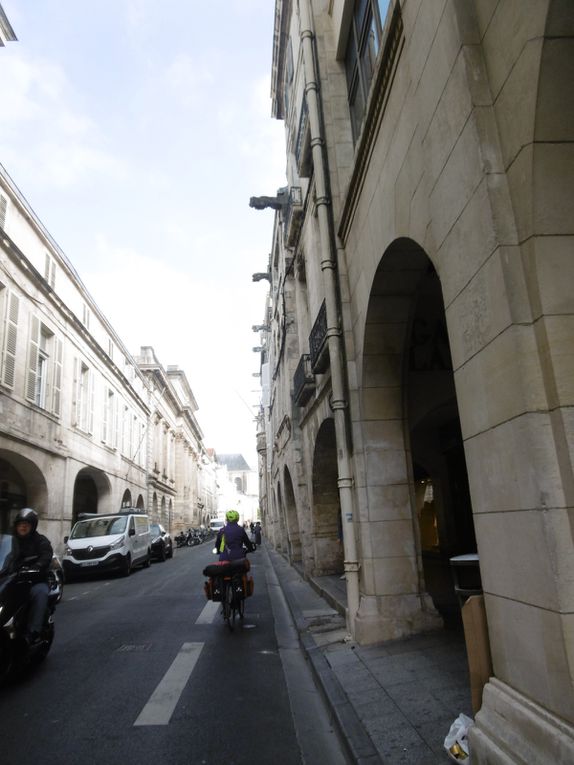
(44, 649)
(6, 659)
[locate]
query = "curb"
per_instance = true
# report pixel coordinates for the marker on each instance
(357, 741)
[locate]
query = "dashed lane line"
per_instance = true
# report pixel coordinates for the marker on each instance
(162, 702)
(210, 610)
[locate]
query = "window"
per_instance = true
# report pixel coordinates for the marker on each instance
(86, 316)
(84, 385)
(50, 270)
(10, 337)
(44, 376)
(361, 54)
(3, 209)
(108, 422)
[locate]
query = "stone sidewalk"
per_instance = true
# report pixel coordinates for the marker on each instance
(394, 702)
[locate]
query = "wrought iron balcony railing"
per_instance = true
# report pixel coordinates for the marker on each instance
(319, 350)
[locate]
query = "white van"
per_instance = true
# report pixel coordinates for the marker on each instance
(215, 525)
(112, 542)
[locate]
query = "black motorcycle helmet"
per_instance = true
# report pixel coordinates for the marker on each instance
(29, 516)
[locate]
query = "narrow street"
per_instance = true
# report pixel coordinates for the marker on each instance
(143, 670)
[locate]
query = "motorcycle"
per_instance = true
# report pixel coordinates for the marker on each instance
(16, 654)
(181, 539)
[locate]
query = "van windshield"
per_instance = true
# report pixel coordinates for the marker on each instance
(99, 527)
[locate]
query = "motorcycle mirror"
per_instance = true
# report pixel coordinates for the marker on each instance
(214, 551)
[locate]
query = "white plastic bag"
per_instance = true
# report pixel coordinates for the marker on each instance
(456, 741)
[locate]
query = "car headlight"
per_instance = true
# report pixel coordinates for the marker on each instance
(118, 543)
(69, 551)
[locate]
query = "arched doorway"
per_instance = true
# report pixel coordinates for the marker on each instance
(292, 519)
(327, 526)
(442, 495)
(127, 499)
(21, 485)
(140, 503)
(91, 490)
(415, 472)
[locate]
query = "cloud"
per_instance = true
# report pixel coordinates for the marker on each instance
(62, 144)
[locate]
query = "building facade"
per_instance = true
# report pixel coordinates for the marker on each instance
(417, 357)
(84, 426)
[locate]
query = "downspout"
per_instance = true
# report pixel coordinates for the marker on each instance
(334, 333)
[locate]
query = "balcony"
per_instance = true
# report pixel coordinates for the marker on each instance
(293, 217)
(303, 381)
(319, 350)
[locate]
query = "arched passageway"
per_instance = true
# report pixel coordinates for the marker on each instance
(22, 484)
(91, 493)
(140, 503)
(127, 499)
(416, 474)
(327, 526)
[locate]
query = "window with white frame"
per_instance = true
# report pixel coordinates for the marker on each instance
(109, 417)
(44, 374)
(84, 405)
(10, 310)
(50, 270)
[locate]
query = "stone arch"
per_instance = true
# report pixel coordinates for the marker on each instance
(140, 504)
(154, 507)
(127, 499)
(327, 526)
(291, 518)
(416, 483)
(22, 484)
(92, 492)
(162, 515)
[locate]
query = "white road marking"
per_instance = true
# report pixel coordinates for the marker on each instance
(162, 702)
(210, 611)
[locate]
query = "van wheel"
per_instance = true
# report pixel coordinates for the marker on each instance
(127, 569)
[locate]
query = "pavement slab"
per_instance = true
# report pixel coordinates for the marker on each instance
(393, 702)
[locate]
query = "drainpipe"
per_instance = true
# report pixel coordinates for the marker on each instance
(334, 333)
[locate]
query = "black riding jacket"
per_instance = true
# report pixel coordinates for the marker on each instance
(32, 545)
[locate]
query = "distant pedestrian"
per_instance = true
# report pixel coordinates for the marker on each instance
(258, 533)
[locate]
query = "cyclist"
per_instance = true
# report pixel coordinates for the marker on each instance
(232, 539)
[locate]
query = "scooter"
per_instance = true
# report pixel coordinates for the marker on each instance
(16, 655)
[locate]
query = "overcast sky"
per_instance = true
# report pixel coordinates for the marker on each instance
(137, 131)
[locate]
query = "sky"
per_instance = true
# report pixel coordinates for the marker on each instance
(138, 131)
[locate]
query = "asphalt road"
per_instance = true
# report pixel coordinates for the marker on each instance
(143, 670)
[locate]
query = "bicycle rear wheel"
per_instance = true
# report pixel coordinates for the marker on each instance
(229, 606)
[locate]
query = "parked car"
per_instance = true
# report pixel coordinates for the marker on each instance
(161, 542)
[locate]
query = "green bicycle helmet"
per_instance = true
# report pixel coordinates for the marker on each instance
(232, 516)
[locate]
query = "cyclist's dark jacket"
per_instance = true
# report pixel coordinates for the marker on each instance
(32, 545)
(235, 537)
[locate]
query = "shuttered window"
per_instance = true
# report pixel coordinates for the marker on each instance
(50, 270)
(33, 347)
(10, 339)
(57, 377)
(3, 210)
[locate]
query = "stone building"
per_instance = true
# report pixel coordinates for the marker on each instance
(82, 427)
(176, 489)
(418, 341)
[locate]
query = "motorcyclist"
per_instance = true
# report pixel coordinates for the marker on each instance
(29, 548)
(232, 539)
